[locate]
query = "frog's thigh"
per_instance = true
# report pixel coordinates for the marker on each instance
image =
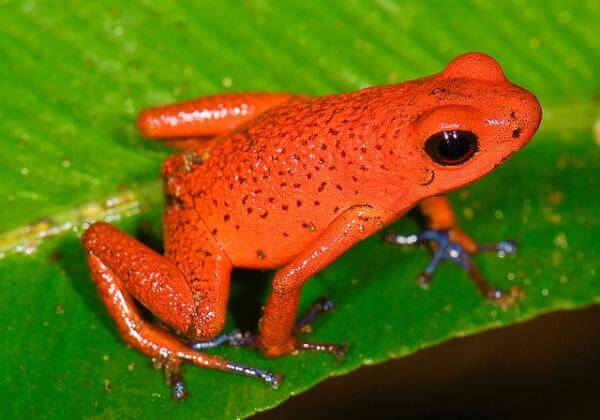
(124, 268)
(207, 269)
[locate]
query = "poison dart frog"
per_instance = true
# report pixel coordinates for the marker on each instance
(290, 182)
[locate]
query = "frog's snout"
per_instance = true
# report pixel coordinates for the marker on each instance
(527, 118)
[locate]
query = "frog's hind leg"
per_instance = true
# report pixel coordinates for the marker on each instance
(124, 269)
(449, 242)
(186, 123)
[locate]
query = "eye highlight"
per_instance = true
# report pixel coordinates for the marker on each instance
(453, 147)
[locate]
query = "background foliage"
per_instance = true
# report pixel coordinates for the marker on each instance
(74, 74)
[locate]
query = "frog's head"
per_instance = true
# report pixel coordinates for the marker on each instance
(472, 119)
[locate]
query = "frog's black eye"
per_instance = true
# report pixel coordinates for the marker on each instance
(451, 147)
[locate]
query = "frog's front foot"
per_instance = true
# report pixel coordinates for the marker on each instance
(457, 247)
(295, 345)
(236, 338)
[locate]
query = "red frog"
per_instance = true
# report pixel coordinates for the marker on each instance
(289, 182)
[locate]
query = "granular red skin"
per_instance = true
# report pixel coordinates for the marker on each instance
(294, 183)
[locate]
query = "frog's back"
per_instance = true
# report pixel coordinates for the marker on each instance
(267, 189)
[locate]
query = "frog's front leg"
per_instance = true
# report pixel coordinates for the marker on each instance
(171, 287)
(277, 324)
(449, 242)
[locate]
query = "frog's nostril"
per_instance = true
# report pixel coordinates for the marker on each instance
(525, 117)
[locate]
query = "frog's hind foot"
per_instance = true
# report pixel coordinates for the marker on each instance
(445, 247)
(234, 338)
(172, 369)
(270, 378)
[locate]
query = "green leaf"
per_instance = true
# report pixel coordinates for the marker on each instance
(74, 75)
